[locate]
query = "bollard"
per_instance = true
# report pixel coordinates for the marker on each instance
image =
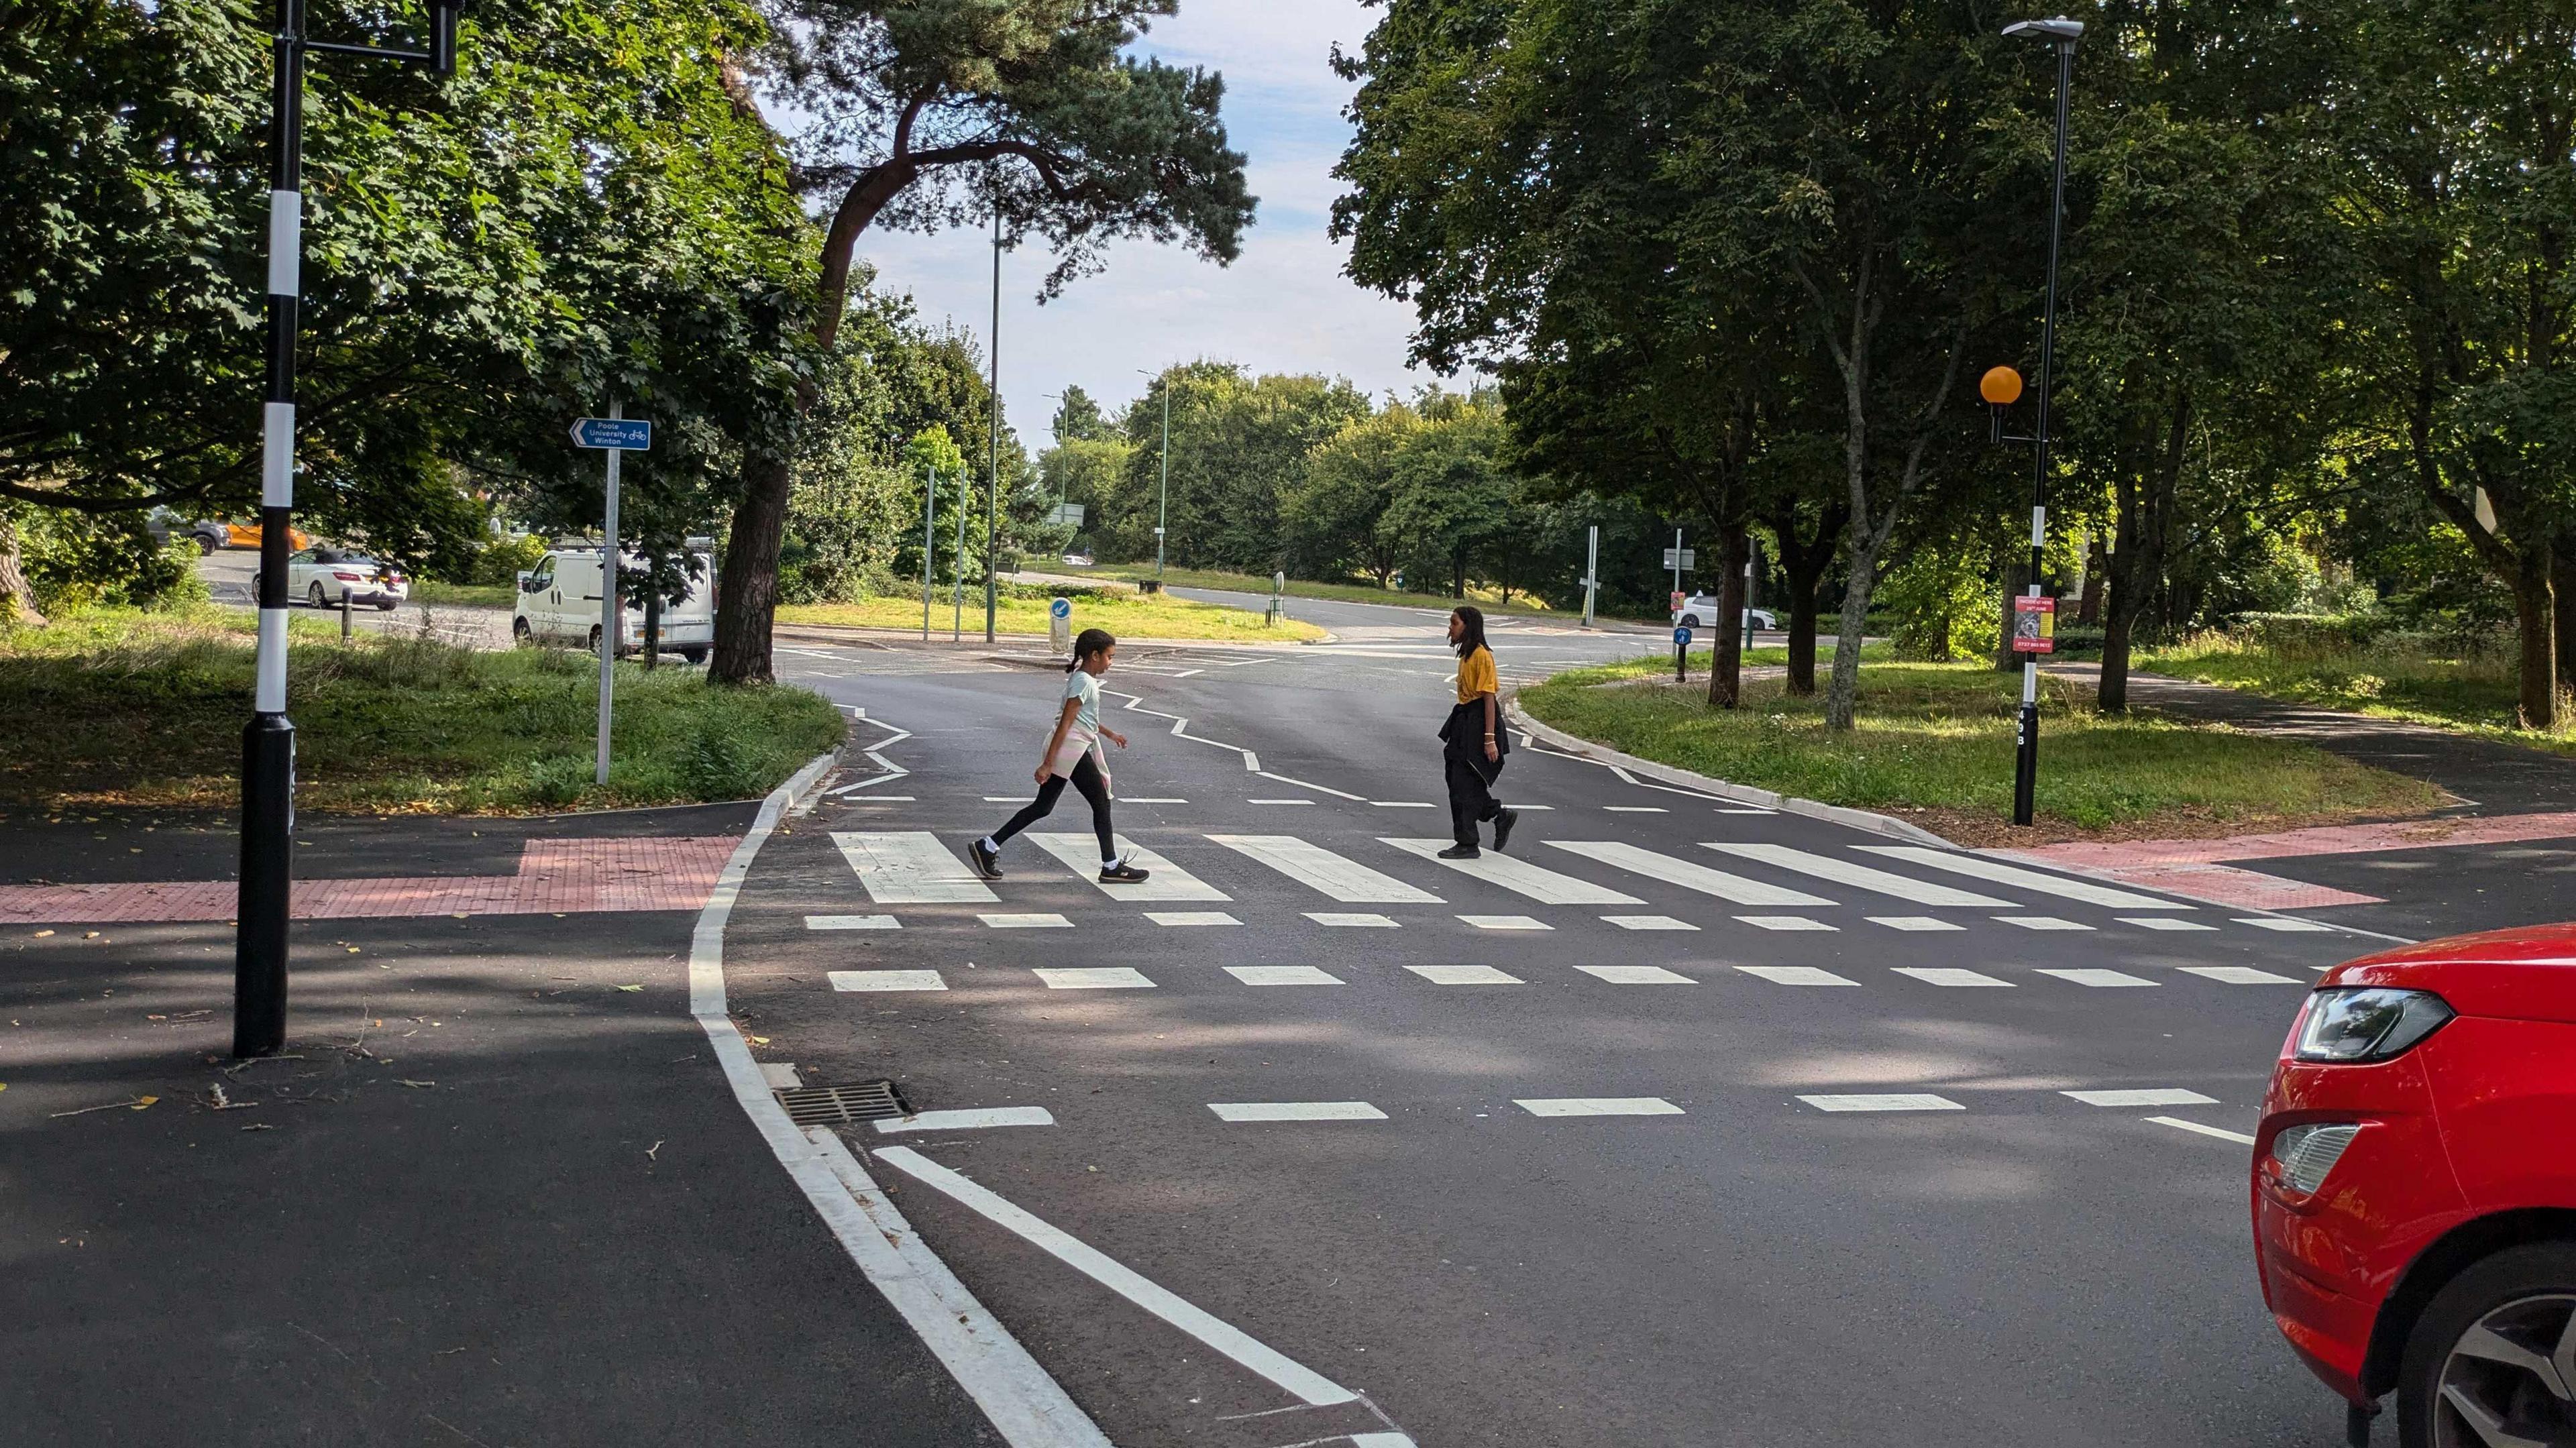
(344, 613)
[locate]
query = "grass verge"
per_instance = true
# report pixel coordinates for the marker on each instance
(1934, 743)
(2409, 677)
(1129, 616)
(481, 595)
(1490, 600)
(120, 707)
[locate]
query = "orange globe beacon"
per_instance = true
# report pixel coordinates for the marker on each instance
(2002, 387)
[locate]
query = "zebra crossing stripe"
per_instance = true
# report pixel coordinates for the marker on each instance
(1520, 877)
(1888, 1101)
(2236, 975)
(910, 867)
(1795, 975)
(1282, 975)
(1996, 871)
(2097, 978)
(1949, 975)
(1861, 877)
(873, 980)
(1687, 874)
(1169, 882)
(1320, 869)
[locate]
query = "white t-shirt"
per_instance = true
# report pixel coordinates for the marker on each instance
(1083, 735)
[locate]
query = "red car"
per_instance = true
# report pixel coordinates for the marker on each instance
(2415, 1189)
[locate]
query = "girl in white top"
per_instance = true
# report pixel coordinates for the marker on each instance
(1072, 756)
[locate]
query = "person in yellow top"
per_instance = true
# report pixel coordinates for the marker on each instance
(1474, 740)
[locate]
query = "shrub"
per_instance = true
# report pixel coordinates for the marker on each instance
(719, 764)
(504, 560)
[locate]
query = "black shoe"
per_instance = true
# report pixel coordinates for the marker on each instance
(1123, 873)
(1503, 828)
(1462, 852)
(988, 862)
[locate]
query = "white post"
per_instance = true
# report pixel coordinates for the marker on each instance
(1677, 560)
(609, 613)
(929, 543)
(1591, 575)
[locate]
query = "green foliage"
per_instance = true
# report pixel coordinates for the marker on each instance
(504, 559)
(1237, 443)
(1945, 607)
(76, 561)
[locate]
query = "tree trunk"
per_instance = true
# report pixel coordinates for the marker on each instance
(1458, 574)
(2563, 583)
(17, 599)
(1860, 577)
(1802, 641)
(2145, 518)
(1804, 563)
(1726, 650)
(2097, 566)
(747, 590)
(2535, 609)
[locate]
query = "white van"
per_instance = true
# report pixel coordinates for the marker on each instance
(559, 604)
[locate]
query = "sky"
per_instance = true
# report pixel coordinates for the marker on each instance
(1283, 306)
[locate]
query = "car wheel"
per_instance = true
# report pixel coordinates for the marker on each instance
(695, 656)
(314, 596)
(2493, 1358)
(385, 607)
(521, 634)
(594, 640)
(205, 544)
(1690, 620)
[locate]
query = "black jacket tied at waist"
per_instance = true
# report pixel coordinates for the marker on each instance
(1464, 736)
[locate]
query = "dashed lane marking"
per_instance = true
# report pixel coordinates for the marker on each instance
(1403, 804)
(1278, 801)
(1648, 922)
(2155, 1096)
(1168, 882)
(2197, 1129)
(1636, 975)
(1687, 874)
(1896, 1101)
(1861, 877)
(1282, 975)
(1350, 920)
(1949, 975)
(2040, 922)
(1635, 809)
(1795, 975)
(2237, 975)
(1095, 977)
(1034, 921)
(1464, 975)
(1320, 869)
(1519, 876)
(1784, 922)
(1913, 922)
(855, 980)
(1506, 922)
(1191, 917)
(2096, 977)
(2284, 924)
(2038, 882)
(1597, 1106)
(2162, 922)
(1317, 788)
(970, 1120)
(1295, 1111)
(852, 922)
(1152, 799)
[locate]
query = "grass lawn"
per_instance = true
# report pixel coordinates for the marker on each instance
(120, 707)
(486, 595)
(1129, 616)
(1935, 744)
(2403, 678)
(1487, 599)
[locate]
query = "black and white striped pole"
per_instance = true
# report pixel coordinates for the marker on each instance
(268, 744)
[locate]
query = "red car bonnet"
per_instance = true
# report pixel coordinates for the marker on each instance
(2526, 974)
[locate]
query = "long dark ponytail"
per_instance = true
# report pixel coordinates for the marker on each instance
(1091, 641)
(1473, 638)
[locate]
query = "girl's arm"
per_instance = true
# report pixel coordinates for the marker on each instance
(1055, 741)
(1493, 707)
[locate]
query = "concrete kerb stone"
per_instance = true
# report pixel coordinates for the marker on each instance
(1859, 819)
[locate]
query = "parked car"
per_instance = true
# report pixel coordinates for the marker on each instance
(559, 602)
(322, 576)
(2414, 1188)
(1700, 611)
(1077, 560)
(210, 534)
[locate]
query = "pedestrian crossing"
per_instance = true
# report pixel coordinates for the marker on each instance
(1776, 887)
(990, 977)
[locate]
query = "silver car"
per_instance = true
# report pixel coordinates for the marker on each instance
(323, 575)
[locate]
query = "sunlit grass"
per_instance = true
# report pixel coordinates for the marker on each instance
(2449, 686)
(1129, 616)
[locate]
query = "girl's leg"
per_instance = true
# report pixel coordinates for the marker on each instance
(1466, 800)
(1086, 777)
(1034, 811)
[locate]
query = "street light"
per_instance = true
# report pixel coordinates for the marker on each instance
(993, 416)
(1163, 506)
(2061, 33)
(268, 742)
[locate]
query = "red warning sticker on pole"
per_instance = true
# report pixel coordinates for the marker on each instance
(2034, 625)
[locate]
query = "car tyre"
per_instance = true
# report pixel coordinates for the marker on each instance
(521, 634)
(695, 656)
(205, 543)
(1689, 620)
(386, 606)
(313, 596)
(2460, 1360)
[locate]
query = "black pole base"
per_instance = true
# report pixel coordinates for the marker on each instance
(268, 842)
(2026, 766)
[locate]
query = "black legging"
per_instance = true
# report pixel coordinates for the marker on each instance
(1086, 777)
(1471, 796)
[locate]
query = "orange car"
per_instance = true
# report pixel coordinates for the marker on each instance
(211, 534)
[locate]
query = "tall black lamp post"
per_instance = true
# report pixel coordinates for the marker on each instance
(268, 744)
(2061, 33)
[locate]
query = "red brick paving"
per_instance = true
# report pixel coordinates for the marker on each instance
(2193, 868)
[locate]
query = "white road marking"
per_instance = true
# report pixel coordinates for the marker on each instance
(1519, 876)
(1843, 872)
(1784, 922)
(1191, 917)
(1005, 799)
(1295, 1111)
(1081, 854)
(909, 867)
(1464, 975)
(1151, 799)
(1527, 808)
(1094, 977)
(1403, 804)
(2039, 882)
(1723, 810)
(2237, 975)
(1347, 920)
(2162, 922)
(1949, 975)
(1506, 922)
(2156, 1096)
(855, 980)
(1348, 881)
(884, 799)
(1795, 975)
(1648, 922)
(1636, 809)
(1898, 1101)
(2284, 924)
(1597, 1106)
(2040, 922)
(2178, 1124)
(1381, 1440)
(852, 922)
(1278, 801)
(1636, 975)
(1289, 1376)
(1035, 921)
(1282, 975)
(2097, 977)
(1913, 922)
(1687, 874)
(970, 1120)
(1317, 788)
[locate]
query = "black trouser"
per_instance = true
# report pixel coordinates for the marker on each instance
(1471, 799)
(1086, 777)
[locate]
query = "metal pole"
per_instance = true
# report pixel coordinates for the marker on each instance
(652, 611)
(1163, 509)
(610, 615)
(2026, 760)
(344, 613)
(1677, 560)
(1591, 574)
(993, 411)
(929, 544)
(268, 742)
(957, 565)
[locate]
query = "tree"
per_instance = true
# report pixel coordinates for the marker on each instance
(1077, 417)
(932, 112)
(1333, 520)
(1238, 446)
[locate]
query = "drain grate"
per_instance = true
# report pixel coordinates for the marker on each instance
(827, 1105)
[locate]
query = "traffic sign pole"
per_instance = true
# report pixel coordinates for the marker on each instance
(610, 615)
(1681, 655)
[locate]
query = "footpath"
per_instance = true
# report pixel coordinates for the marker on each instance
(495, 1192)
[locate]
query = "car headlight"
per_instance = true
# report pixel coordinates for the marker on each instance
(2356, 1024)
(2306, 1153)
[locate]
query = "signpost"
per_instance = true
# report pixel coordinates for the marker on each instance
(1681, 655)
(1060, 625)
(1065, 515)
(1591, 574)
(1278, 598)
(617, 435)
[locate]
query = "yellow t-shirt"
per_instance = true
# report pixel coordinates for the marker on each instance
(1476, 676)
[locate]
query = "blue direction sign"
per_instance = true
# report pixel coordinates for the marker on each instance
(1682, 636)
(1061, 608)
(623, 434)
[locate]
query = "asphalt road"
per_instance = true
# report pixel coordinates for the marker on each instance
(1590, 1155)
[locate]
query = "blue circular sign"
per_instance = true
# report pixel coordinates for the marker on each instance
(1061, 608)
(1681, 636)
